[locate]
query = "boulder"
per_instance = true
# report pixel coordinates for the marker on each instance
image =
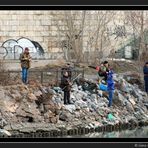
(65, 116)
(5, 132)
(118, 99)
(54, 119)
(38, 93)
(70, 108)
(3, 122)
(81, 103)
(32, 97)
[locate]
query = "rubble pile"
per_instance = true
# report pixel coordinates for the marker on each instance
(36, 105)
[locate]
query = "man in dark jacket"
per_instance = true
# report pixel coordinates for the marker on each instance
(145, 71)
(67, 68)
(104, 69)
(66, 87)
(25, 59)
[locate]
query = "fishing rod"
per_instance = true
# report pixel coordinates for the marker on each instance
(73, 80)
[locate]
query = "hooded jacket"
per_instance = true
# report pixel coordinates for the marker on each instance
(110, 81)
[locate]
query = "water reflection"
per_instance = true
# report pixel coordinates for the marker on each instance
(141, 132)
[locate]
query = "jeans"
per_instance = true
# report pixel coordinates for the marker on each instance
(110, 93)
(24, 74)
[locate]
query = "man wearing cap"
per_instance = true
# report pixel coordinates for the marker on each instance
(145, 71)
(25, 59)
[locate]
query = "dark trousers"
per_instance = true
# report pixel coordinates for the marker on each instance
(104, 76)
(146, 85)
(66, 97)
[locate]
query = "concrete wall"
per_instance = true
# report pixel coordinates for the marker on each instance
(41, 26)
(35, 25)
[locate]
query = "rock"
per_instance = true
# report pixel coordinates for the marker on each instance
(77, 107)
(129, 106)
(70, 108)
(118, 99)
(3, 122)
(72, 97)
(4, 132)
(48, 115)
(96, 124)
(58, 99)
(81, 103)
(51, 91)
(94, 106)
(2, 92)
(11, 106)
(41, 108)
(50, 107)
(77, 114)
(54, 119)
(32, 97)
(94, 98)
(132, 101)
(65, 116)
(137, 95)
(38, 93)
(57, 89)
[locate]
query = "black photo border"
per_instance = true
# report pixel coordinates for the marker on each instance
(58, 142)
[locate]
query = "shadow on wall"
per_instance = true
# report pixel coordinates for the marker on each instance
(11, 49)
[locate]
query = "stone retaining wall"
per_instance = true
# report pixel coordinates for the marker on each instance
(76, 131)
(35, 25)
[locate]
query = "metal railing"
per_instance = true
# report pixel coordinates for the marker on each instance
(43, 76)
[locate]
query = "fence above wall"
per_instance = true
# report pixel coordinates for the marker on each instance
(43, 76)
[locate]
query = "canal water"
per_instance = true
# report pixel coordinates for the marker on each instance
(140, 132)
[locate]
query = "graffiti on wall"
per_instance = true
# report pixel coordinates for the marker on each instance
(11, 49)
(117, 31)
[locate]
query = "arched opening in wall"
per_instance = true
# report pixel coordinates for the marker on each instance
(16, 47)
(3, 53)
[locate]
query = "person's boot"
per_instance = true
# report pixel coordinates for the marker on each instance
(69, 102)
(65, 102)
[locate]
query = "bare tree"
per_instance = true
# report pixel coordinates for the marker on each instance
(99, 40)
(76, 32)
(138, 21)
(74, 27)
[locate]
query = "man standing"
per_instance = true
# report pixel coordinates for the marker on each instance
(66, 87)
(25, 59)
(145, 71)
